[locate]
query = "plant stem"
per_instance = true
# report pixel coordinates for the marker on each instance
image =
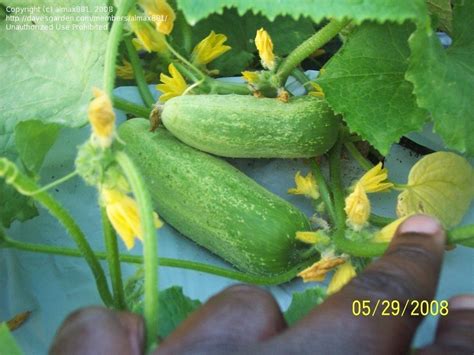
(224, 88)
(461, 235)
(6, 242)
(318, 40)
(361, 160)
(113, 260)
(301, 77)
(55, 183)
(130, 107)
(380, 221)
(145, 210)
(113, 41)
(138, 73)
(336, 185)
(323, 189)
(25, 185)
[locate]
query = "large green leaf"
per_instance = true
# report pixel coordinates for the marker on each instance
(357, 10)
(444, 78)
(365, 82)
(47, 76)
(303, 302)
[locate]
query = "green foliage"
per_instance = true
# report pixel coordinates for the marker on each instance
(317, 10)
(442, 12)
(33, 139)
(444, 78)
(8, 345)
(365, 82)
(303, 302)
(46, 77)
(286, 34)
(174, 308)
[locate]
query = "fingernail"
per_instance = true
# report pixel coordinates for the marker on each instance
(422, 224)
(461, 302)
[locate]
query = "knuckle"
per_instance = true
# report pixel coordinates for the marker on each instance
(414, 253)
(382, 284)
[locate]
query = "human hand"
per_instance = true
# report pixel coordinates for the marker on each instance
(245, 319)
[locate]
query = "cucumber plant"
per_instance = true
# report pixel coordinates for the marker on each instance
(382, 74)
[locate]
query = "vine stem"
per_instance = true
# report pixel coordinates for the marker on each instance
(24, 184)
(6, 242)
(130, 107)
(323, 189)
(358, 157)
(138, 73)
(145, 210)
(336, 185)
(113, 260)
(318, 40)
(113, 41)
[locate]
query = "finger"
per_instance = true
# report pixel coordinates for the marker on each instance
(233, 318)
(97, 330)
(408, 270)
(455, 331)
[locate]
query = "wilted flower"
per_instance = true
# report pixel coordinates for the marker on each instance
(341, 277)
(305, 185)
(102, 118)
(264, 44)
(318, 271)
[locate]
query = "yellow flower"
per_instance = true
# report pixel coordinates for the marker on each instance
(357, 208)
(305, 186)
(147, 37)
(386, 233)
(342, 276)
(318, 271)
(102, 118)
(375, 180)
(125, 71)
(122, 211)
(312, 237)
(173, 85)
(250, 76)
(162, 14)
(318, 90)
(209, 48)
(264, 44)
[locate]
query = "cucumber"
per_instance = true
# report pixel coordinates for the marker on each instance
(214, 204)
(242, 126)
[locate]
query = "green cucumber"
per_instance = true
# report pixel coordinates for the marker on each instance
(214, 204)
(242, 126)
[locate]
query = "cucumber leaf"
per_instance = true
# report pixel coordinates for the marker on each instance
(317, 10)
(8, 345)
(303, 302)
(442, 11)
(33, 139)
(38, 85)
(365, 83)
(174, 307)
(440, 184)
(444, 78)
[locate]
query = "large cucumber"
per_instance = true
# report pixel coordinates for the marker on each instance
(214, 204)
(242, 126)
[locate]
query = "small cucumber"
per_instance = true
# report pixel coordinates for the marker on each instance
(215, 204)
(242, 126)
